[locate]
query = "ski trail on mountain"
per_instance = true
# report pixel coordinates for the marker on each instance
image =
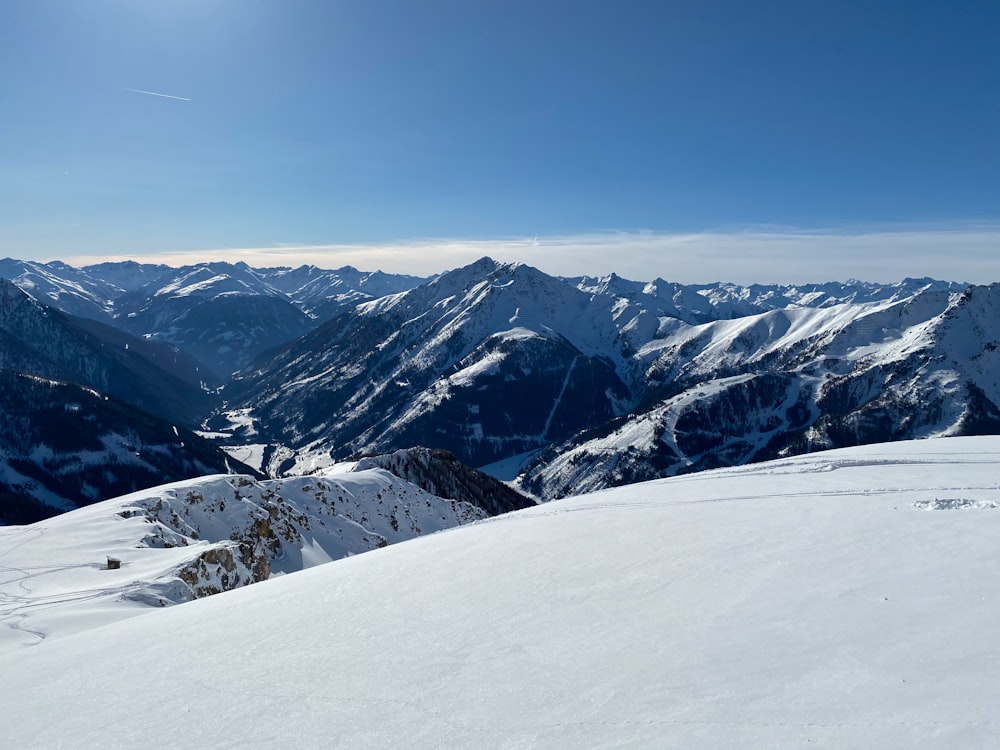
(30, 535)
(555, 406)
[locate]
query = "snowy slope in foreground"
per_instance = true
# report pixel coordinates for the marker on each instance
(842, 599)
(199, 537)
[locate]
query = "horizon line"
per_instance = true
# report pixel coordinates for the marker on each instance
(752, 254)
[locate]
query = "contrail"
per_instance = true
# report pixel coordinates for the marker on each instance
(153, 93)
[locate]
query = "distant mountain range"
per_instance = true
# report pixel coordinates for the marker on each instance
(221, 314)
(600, 383)
(564, 384)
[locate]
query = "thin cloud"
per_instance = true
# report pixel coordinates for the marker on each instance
(155, 93)
(747, 256)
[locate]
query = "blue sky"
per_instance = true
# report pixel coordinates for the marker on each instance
(407, 133)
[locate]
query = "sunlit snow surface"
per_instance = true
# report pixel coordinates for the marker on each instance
(843, 599)
(198, 537)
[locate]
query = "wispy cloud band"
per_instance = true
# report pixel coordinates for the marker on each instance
(753, 255)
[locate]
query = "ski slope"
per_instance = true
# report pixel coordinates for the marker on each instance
(839, 599)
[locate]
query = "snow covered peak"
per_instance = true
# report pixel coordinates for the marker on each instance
(460, 278)
(483, 266)
(701, 303)
(207, 280)
(70, 289)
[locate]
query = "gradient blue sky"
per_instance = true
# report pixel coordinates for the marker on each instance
(392, 130)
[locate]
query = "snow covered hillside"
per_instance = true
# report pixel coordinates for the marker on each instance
(42, 341)
(838, 599)
(199, 537)
(63, 446)
(791, 381)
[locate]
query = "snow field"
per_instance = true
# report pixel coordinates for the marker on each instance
(812, 601)
(187, 539)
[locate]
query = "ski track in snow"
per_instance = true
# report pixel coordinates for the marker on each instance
(531, 513)
(555, 406)
(16, 608)
(53, 567)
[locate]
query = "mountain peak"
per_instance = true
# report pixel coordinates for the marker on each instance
(483, 265)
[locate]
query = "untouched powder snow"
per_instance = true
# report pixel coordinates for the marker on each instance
(839, 599)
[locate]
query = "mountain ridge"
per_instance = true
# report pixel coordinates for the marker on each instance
(584, 382)
(559, 364)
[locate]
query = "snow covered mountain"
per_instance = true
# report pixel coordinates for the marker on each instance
(840, 599)
(600, 383)
(223, 314)
(43, 341)
(199, 537)
(576, 384)
(128, 275)
(63, 446)
(324, 293)
(440, 473)
(792, 381)
(69, 289)
(486, 361)
(702, 303)
(88, 412)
